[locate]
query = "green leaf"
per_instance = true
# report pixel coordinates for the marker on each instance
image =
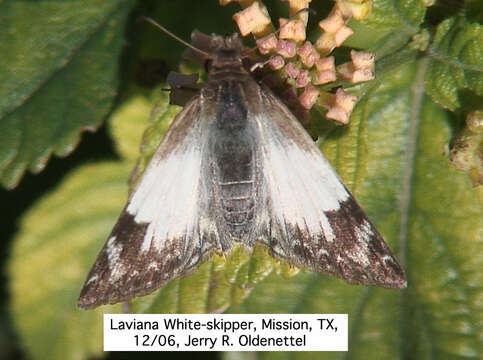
(457, 62)
(389, 26)
(391, 158)
(60, 70)
(60, 236)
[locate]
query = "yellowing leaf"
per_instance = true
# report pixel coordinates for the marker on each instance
(59, 238)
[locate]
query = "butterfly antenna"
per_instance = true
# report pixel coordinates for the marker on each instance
(169, 33)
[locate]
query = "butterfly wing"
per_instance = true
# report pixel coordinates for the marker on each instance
(164, 231)
(314, 220)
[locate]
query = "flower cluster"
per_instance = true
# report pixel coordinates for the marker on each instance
(303, 65)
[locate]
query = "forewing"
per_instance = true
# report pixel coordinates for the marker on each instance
(157, 237)
(314, 220)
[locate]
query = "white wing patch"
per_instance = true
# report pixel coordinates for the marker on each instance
(364, 232)
(314, 220)
(167, 197)
(113, 250)
(165, 230)
(301, 183)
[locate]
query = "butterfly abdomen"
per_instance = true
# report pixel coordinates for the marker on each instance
(237, 210)
(234, 174)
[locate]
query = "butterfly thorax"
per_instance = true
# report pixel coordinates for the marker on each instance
(228, 61)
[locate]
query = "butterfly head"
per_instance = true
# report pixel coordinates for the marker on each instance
(225, 52)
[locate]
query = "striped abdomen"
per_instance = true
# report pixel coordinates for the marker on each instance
(234, 150)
